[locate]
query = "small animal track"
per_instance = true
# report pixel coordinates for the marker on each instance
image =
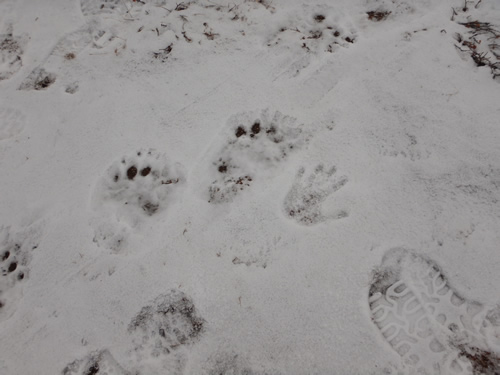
(38, 79)
(428, 323)
(161, 329)
(11, 123)
(97, 363)
(11, 52)
(304, 200)
(15, 256)
(257, 143)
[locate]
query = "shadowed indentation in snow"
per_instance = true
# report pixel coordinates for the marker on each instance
(304, 201)
(11, 53)
(426, 321)
(256, 144)
(12, 122)
(15, 257)
(39, 79)
(96, 363)
(163, 332)
(136, 186)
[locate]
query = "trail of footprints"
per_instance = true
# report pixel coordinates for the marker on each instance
(159, 333)
(109, 24)
(427, 322)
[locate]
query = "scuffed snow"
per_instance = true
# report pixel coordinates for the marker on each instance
(249, 187)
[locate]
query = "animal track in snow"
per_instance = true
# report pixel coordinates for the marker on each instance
(11, 123)
(38, 79)
(257, 143)
(427, 322)
(15, 257)
(97, 363)
(161, 329)
(98, 7)
(230, 364)
(304, 200)
(140, 182)
(136, 186)
(11, 53)
(315, 29)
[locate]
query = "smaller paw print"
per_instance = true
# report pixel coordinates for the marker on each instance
(304, 200)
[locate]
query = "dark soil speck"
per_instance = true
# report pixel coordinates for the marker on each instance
(240, 131)
(12, 267)
(256, 128)
(319, 18)
(131, 172)
(145, 171)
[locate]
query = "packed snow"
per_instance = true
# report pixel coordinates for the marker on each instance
(249, 187)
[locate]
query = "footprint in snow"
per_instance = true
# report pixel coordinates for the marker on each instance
(429, 323)
(163, 331)
(256, 144)
(96, 363)
(161, 335)
(304, 201)
(133, 188)
(11, 54)
(15, 256)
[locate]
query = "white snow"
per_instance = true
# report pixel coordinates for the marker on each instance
(249, 187)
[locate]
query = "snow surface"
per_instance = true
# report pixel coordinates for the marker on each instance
(248, 187)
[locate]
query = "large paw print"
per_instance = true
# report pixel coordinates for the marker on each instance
(265, 138)
(256, 145)
(304, 200)
(163, 330)
(139, 183)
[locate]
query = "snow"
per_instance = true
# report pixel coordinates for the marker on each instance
(248, 187)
